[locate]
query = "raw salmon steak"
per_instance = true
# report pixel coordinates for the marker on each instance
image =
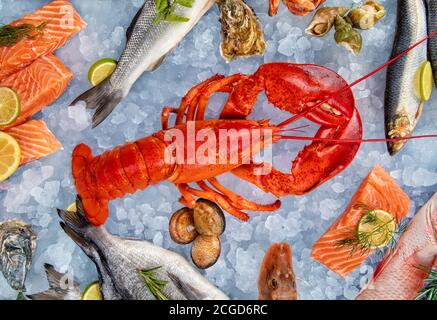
(378, 191)
(38, 85)
(35, 139)
(62, 23)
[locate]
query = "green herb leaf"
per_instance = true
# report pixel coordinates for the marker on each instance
(429, 292)
(155, 285)
(11, 35)
(165, 10)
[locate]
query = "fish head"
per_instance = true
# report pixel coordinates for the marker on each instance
(276, 279)
(16, 252)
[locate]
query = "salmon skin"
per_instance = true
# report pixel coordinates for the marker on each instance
(378, 191)
(62, 23)
(402, 274)
(38, 85)
(35, 139)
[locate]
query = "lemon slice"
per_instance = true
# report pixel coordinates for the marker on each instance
(376, 229)
(10, 106)
(424, 81)
(72, 207)
(101, 70)
(10, 155)
(92, 292)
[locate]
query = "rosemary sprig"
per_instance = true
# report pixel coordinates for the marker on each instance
(362, 241)
(155, 285)
(429, 292)
(165, 10)
(11, 35)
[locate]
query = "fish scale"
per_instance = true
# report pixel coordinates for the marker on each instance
(402, 104)
(432, 44)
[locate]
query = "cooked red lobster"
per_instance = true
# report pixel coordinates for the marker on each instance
(313, 92)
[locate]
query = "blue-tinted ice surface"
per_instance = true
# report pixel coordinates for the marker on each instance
(34, 192)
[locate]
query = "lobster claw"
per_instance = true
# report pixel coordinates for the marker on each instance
(300, 90)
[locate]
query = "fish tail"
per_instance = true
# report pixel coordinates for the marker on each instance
(59, 288)
(104, 98)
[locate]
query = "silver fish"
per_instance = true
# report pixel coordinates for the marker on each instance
(403, 105)
(148, 44)
(432, 43)
(61, 287)
(120, 261)
(17, 247)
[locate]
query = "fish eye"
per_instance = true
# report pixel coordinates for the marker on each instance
(274, 283)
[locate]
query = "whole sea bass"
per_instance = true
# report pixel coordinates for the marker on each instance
(403, 105)
(148, 43)
(402, 274)
(120, 263)
(432, 27)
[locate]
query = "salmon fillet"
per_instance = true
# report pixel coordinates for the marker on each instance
(62, 23)
(38, 85)
(378, 191)
(35, 139)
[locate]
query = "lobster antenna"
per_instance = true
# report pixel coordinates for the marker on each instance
(349, 86)
(354, 141)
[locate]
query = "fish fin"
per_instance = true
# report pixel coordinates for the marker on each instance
(131, 27)
(186, 289)
(104, 98)
(75, 220)
(158, 63)
(59, 286)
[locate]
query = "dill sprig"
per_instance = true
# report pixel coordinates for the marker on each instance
(362, 241)
(165, 10)
(429, 292)
(155, 285)
(11, 35)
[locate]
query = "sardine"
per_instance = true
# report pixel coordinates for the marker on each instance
(17, 247)
(148, 43)
(276, 278)
(403, 105)
(402, 274)
(432, 43)
(61, 287)
(120, 262)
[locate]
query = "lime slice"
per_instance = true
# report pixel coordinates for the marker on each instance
(10, 106)
(424, 80)
(92, 292)
(101, 70)
(376, 229)
(10, 156)
(72, 207)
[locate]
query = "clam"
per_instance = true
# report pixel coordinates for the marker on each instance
(205, 251)
(181, 226)
(209, 219)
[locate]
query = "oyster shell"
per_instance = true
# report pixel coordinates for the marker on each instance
(17, 247)
(242, 33)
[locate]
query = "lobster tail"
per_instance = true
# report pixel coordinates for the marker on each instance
(96, 208)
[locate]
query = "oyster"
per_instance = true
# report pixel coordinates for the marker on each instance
(242, 34)
(17, 247)
(367, 15)
(324, 19)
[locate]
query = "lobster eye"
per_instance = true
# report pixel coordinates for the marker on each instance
(274, 284)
